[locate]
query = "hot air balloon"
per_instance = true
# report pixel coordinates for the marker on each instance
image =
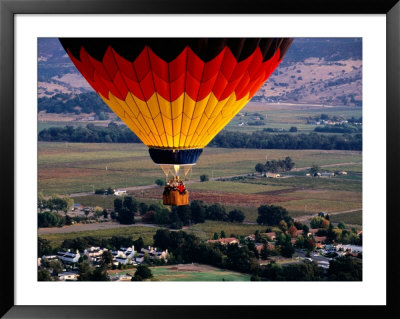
(176, 94)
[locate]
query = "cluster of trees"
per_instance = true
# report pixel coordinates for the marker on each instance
(264, 140)
(102, 191)
(339, 128)
(176, 217)
(292, 129)
(49, 211)
(272, 215)
(274, 166)
(67, 103)
(259, 139)
(338, 234)
(113, 133)
(196, 212)
(125, 209)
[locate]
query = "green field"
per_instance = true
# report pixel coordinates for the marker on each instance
(188, 272)
(353, 218)
(170, 273)
(134, 232)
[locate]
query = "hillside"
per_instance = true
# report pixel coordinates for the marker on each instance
(314, 71)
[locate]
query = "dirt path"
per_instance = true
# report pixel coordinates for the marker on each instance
(308, 217)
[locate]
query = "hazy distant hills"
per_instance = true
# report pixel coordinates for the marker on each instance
(314, 71)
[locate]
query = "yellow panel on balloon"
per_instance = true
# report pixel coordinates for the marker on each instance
(188, 106)
(177, 107)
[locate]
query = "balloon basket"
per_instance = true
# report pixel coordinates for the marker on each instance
(176, 198)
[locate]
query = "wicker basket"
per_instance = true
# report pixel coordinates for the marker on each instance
(175, 198)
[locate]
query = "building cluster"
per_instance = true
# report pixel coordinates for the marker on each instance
(321, 245)
(123, 256)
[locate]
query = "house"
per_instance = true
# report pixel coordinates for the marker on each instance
(224, 241)
(328, 174)
(348, 249)
(90, 118)
(320, 239)
(272, 175)
(118, 192)
(154, 253)
(124, 277)
(270, 246)
(313, 231)
(251, 237)
(271, 235)
(68, 275)
(124, 255)
(77, 206)
(68, 256)
(93, 252)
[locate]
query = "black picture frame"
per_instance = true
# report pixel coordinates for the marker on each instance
(8, 10)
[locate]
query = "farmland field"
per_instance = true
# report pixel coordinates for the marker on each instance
(277, 116)
(65, 168)
(132, 231)
(189, 272)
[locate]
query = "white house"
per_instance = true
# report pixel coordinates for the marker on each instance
(68, 256)
(154, 253)
(62, 276)
(118, 192)
(94, 252)
(124, 255)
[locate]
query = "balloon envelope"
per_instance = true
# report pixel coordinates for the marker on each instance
(176, 94)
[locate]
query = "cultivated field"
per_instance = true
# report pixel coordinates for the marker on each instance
(66, 168)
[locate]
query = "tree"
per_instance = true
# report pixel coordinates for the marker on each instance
(110, 191)
(204, 178)
(117, 205)
(130, 203)
(271, 215)
(84, 271)
(316, 222)
(341, 225)
(264, 252)
(293, 129)
(345, 268)
(292, 231)
(198, 211)
(236, 215)
(315, 169)
(325, 223)
(113, 215)
(223, 234)
(260, 168)
(162, 239)
(44, 247)
(142, 272)
(159, 182)
(44, 275)
(143, 208)
(283, 226)
(105, 213)
(126, 216)
(216, 236)
(107, 258)
(216, 212)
